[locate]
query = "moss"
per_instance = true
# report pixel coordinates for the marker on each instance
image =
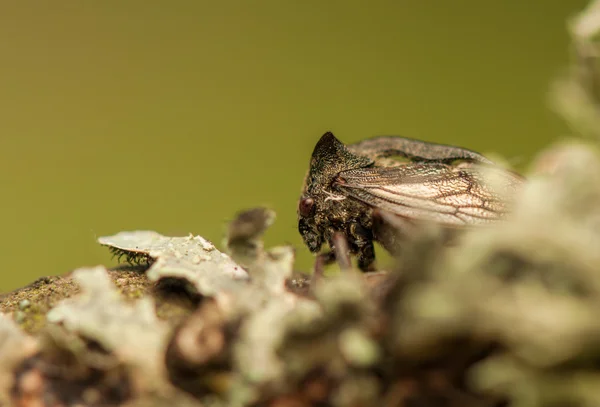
(42, 295)
(30, 304)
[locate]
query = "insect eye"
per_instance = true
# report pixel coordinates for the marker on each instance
(305, 206)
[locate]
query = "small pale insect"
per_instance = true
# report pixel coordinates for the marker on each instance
(361, 192)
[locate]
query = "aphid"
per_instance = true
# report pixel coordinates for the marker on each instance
(347, 185)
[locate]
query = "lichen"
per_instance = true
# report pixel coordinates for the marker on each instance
(193, 259)
(15, 346)
(42, 295)
(131, 331)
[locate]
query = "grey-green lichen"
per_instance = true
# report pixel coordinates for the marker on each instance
(15, 345)
(191, 259)
(576, 95)
(130, 331)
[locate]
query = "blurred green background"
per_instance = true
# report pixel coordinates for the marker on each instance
(172, 116)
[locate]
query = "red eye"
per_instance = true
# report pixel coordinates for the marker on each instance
(305, 206)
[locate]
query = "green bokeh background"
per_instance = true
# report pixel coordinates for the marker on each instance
(172, 116)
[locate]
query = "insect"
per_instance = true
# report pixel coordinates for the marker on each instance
(360, 192)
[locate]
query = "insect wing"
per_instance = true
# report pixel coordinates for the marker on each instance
(450, 195)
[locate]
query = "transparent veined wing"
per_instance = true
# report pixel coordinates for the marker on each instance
(451, 195)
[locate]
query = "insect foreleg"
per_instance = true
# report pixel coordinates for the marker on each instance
(322, 260)
(341, 251)
(362, 240)
(366, 257)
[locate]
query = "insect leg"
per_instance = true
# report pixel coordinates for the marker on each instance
(366, 257)
(341, 251)
(321, 261)
(362, 239)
